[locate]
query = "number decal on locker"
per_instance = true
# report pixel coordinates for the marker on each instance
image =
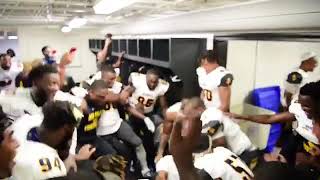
(46, 165)
(147, 103)
(207, 94)
(235, 163)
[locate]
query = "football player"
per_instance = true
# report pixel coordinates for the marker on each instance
(8, 146)
(8, 74)
(185, 138)
(301, 113)
(149, 88)
(97, 99)
(299, 77)
(215, 82)
(221, 130)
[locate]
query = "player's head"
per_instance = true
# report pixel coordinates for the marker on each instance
(152, 78)
(8, 145)
(308, 61)
(60, 119)
(308, 98)
(45, 81)
(5, 62)
(208, 57)
(97, 93)
(46, 50)
(11, 53)
(193, 103)
(108, 74)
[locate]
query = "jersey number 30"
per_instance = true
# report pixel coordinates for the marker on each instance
(46, 165)
(147, 103)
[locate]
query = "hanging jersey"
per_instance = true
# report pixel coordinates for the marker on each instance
(143, 94)
(237, 141)
(303, 125)
(110, 119)
(210, 82)
(37, 161)
(224, 164)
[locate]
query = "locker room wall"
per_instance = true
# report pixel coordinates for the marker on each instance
(32, 39)
(258, 64)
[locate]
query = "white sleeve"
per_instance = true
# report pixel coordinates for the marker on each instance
(73, 146)
(163, 164)
(62, 96)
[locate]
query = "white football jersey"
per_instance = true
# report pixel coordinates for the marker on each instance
(237, 141)
(175, 107)
(210, 82)
(224, 164)
(143, 94)
(37, 161)
(221, 163)
(303, 125)
(10, 77)
(110, 119)
(19, 104)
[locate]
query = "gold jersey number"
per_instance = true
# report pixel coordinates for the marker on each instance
(46, 165)
(145, 102)
(207, 94)
(93, 120)
(237, 165)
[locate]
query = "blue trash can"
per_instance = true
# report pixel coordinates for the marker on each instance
(269, 98)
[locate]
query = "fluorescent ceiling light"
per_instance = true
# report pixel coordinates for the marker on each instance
(77, 22)
(12, 37)
(110, 6)
(66, 29)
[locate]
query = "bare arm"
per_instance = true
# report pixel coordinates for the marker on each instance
(163, 104)
(267, 119)
(119, 60)
(224, 93)
(136, 113)
(288, 98)
(101, 56)
(165, 135)
(162, 175)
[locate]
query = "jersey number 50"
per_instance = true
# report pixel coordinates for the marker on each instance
(147, 103)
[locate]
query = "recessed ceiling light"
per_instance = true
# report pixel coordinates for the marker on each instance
(110, 6)
(77, 22)
(66, 29)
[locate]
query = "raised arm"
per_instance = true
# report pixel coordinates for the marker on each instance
(102, 55)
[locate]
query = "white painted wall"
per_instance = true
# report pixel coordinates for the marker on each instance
(241, 60)
(32, 39)
(257, 64)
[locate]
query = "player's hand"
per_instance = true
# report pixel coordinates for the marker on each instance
(124, 96)
(149, 124)
(158, 157)
(122, 54)
(85, 152)
(70, 163)
(108, 41)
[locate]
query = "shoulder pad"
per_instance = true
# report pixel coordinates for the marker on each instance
(294, 78)
(226, 80)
